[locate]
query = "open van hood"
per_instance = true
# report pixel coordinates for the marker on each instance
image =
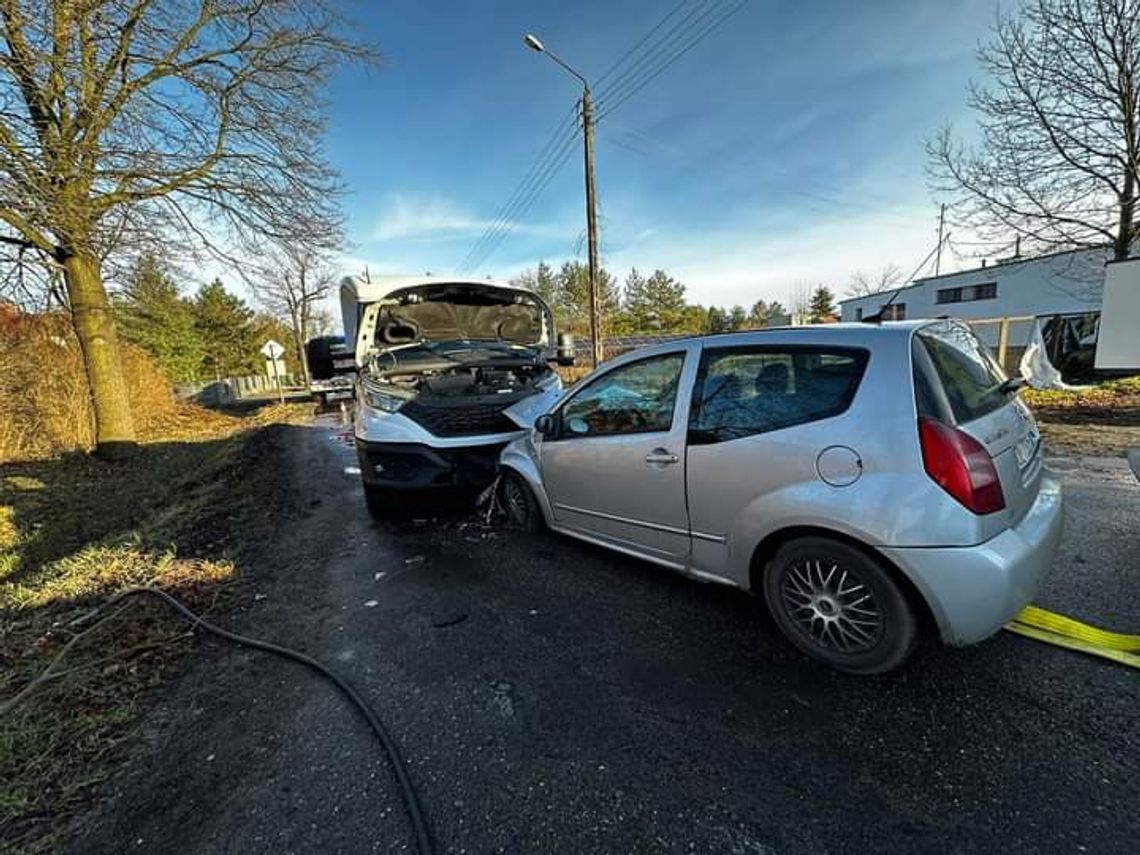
(405, 310)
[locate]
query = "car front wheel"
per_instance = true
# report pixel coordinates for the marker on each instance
(840, 605)
(519, 502)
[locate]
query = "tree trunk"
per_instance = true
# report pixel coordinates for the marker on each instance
(1122, 246)
(299, 345)
(91, 316)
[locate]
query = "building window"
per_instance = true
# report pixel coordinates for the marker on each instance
(894, 312)
(858, 313)
(967, 294)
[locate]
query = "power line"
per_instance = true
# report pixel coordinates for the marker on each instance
(710, 20)
(663, 42)
(541, 161)
(678, 40)
(534, 177)
(640, 42)
(522, 200)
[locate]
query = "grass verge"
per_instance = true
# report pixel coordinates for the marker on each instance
(73, 531)
(1089, 421)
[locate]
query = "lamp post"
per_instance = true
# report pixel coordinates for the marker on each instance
(534, 44)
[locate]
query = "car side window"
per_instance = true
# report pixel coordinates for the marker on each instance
(635, 398)
(745, 391)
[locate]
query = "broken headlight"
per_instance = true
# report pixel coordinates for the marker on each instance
(379, 399)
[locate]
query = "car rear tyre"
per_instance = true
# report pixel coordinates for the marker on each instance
(519, 502)
(840, 605)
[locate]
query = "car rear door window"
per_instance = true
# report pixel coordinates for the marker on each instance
(966, 370)
(746, 391)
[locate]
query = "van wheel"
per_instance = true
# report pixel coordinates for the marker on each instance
(378, 501)
(839, 605)
(519, 502)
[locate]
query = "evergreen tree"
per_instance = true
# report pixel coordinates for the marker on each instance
(573, 288)
(635, 303)
(224, 324)
(822, 305)
(546, 283)
(718, 320)
(737, 318)
(777, 314)
(154, 316)
(758, 315)
(695, 320)
(667, 297)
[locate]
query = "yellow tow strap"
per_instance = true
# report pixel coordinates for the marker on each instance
(1062, 631)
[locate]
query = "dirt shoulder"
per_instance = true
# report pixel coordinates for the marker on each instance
(1098, 421)
(74, 530)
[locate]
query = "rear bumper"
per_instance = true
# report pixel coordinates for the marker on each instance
(411, 466)
(975, 590)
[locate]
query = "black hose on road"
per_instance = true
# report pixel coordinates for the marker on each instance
(395, 759)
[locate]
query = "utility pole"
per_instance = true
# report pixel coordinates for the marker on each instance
(941, 224)
(592, 228)
(597, 352)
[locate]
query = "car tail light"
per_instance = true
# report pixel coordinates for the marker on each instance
(961, 466)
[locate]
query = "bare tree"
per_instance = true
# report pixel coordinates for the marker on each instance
(183, 123)
(801, 298)
(863, 283)
(290, 284)
(1060, 130)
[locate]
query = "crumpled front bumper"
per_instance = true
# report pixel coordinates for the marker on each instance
(412, 466)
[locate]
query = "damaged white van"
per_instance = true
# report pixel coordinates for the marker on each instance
(450, 370)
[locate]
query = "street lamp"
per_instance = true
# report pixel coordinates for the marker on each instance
(532, 42)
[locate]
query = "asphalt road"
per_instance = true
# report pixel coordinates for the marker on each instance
(550, 696)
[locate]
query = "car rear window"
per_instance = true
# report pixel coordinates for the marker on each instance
(746, 391)
(968, 374)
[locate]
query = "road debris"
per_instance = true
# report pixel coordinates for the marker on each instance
(449, 620)
(371, 604)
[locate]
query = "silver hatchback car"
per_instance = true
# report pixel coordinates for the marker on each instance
(869, 479)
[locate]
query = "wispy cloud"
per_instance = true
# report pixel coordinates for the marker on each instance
(406, 217)
(414, 217)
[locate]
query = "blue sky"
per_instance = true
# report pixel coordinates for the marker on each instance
(785, 148)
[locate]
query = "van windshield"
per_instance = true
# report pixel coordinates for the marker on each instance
(970, 376)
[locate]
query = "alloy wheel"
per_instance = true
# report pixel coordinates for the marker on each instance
(832, 606)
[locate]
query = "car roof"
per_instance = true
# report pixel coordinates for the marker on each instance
(851, 334)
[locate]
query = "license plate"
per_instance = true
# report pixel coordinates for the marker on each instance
(337, 396)
(344, 363)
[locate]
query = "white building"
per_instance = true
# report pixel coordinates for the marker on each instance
(1006, 301)
(1063, 283)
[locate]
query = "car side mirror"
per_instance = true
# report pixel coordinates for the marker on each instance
(564, 353)
(546, 425)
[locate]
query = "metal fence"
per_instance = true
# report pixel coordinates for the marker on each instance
(229, 389)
